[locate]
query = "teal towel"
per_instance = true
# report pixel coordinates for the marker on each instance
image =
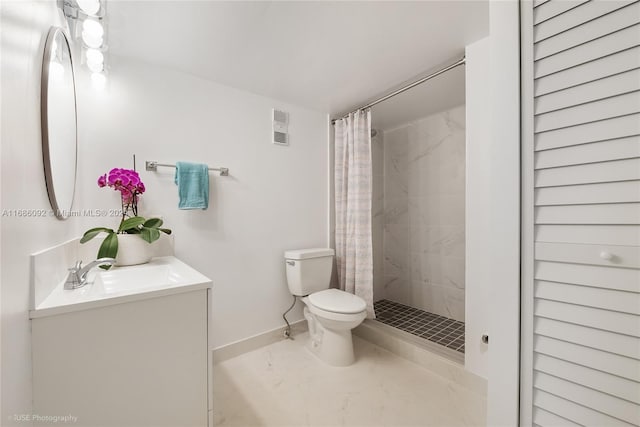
(193, 185)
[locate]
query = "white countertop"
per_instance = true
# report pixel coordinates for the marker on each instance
(162, 276)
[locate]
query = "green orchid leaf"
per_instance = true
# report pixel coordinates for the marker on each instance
(90, 234)
(145, 235)
(150, 235)
(109, 247)
(153, 223)
(130, 223)
(165, 230)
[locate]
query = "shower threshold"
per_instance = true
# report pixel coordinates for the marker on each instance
(441, 330)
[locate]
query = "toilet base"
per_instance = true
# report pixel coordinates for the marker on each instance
(334, 347)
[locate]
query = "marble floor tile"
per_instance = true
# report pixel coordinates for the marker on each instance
(283, 384)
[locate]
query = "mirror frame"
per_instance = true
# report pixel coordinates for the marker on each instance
(44, 123)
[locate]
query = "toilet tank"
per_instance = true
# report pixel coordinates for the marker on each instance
(308, 270)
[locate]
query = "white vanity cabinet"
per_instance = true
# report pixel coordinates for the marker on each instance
(141, 360)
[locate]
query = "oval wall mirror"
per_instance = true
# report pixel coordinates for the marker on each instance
(58, 115)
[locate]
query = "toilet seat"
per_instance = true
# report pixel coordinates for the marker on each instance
(335, 304)
(337, 301)
(331, 315)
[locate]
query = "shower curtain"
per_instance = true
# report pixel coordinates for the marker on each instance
(354, 247)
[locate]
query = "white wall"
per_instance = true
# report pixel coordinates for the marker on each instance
(274, 200)
(24, 27)
(504, 246)
(478, 204)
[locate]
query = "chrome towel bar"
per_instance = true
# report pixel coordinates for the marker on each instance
(152, 165)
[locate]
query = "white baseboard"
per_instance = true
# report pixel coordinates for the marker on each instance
(255, 342)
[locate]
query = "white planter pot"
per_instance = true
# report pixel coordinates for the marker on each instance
(132, 250)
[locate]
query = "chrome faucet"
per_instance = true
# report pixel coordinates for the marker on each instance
(77, 277)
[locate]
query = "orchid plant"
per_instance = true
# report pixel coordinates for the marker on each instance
(127, 182)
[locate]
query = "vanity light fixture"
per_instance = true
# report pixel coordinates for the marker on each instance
(95, 67)
(90, 7)
(86, 21)
(81, 9)
(92, 33)
(95, 60)
(94, 56)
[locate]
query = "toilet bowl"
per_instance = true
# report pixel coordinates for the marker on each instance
(331, 313)
(330, 327)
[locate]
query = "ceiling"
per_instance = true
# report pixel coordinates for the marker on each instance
(327, 56)
(438, 94)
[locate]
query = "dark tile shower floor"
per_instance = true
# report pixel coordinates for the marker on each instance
(433, 327)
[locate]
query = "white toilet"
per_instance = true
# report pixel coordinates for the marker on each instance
(330, 313)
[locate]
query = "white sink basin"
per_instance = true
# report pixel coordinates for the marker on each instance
(161, 276)
(119, 280)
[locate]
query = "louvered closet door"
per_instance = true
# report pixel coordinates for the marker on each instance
(580, 213)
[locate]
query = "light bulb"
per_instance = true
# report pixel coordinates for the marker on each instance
(96, 67)
(91, 41)
(92, 28)
(94, 56)
(99, 80)
(90, 7)
(92, 33)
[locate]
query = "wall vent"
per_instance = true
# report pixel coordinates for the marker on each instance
(280, 129)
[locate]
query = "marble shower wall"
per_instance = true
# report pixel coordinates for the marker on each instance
(377, 212)
(423, 213)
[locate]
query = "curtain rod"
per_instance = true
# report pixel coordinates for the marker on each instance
(461, 61)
